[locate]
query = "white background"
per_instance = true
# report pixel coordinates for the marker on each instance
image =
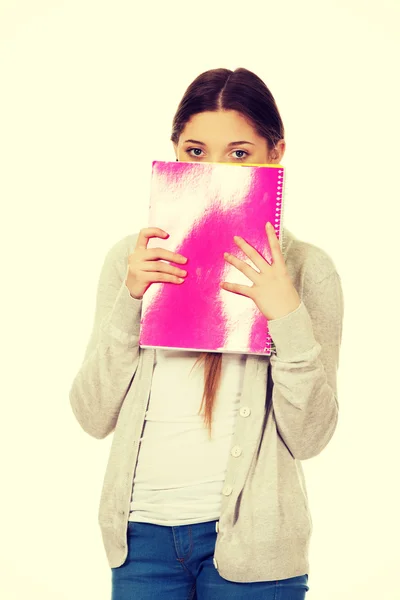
(88, 92)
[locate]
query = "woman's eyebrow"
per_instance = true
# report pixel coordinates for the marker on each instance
(231, 144)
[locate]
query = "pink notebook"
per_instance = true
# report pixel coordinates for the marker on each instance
(202, 206)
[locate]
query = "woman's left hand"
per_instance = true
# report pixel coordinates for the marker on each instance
(272, 291)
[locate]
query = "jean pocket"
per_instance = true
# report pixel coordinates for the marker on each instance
(300, 581)
(130, 527)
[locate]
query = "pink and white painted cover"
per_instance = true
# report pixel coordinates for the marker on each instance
(202, 206)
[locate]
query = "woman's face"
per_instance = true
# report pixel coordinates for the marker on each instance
(224, 136)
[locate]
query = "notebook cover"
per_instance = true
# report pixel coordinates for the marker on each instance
(202, 206)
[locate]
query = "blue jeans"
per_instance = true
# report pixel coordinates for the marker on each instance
(176, 563)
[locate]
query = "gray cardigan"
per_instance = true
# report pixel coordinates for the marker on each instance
(290, 414)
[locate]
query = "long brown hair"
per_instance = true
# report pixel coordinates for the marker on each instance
(242, 91)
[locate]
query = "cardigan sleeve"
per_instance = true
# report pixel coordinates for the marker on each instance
(111, 358)
(304, 369)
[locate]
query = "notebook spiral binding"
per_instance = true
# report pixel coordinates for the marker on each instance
(270, 348)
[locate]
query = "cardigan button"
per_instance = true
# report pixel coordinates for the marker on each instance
(217, 526)
(245, 411)
(236, 451)
(227, 490)
(215, 562)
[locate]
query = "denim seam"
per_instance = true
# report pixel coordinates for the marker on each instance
(190, 547)
(276, 591)
(192, 592)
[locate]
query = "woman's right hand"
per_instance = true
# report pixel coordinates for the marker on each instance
(145, 266)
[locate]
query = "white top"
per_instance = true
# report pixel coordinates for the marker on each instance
(180, 471)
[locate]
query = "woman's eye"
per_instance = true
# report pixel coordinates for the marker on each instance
(189, 150)
(197, 153)
(243, 153)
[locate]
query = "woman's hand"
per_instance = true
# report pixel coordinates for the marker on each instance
(145, 266)
(272, 291)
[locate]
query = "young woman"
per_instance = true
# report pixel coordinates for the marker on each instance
(184, 514)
